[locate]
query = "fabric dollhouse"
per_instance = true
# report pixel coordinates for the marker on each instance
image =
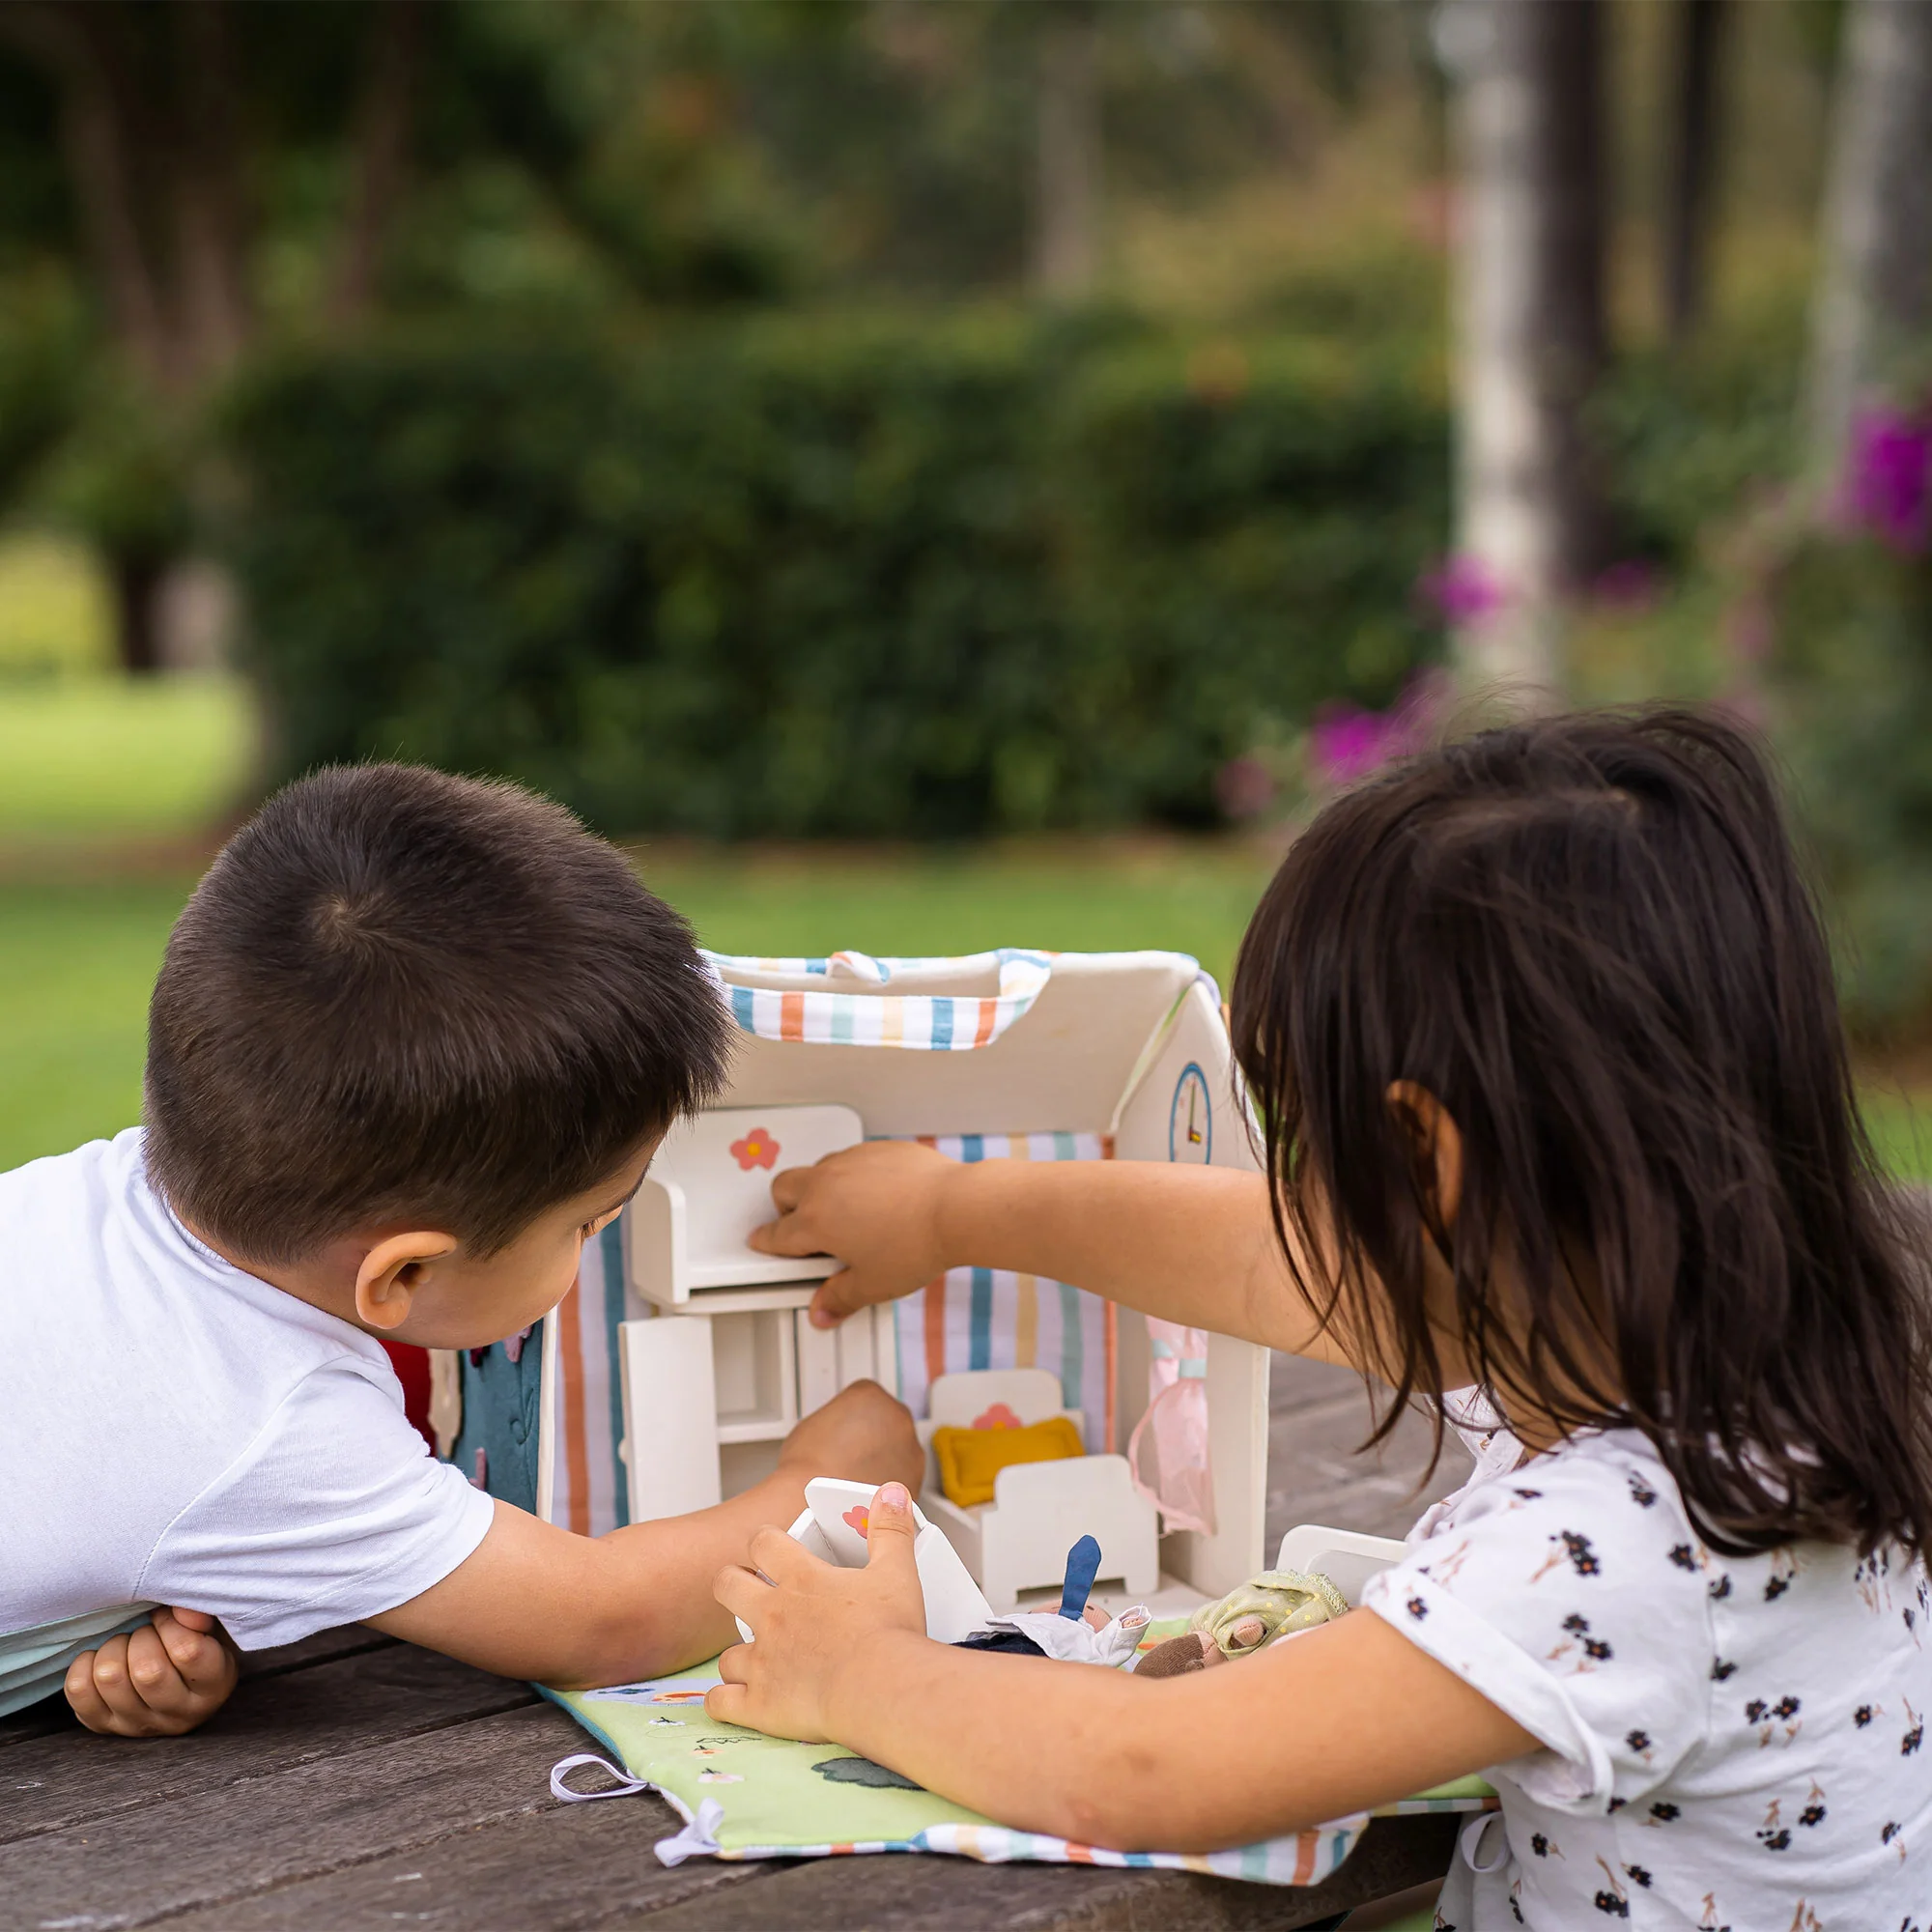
(670, 1374)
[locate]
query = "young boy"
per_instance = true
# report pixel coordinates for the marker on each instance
(415, 1040)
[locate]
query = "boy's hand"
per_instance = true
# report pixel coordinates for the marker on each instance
(173, 1673)
(861, 1435)
(876, 1207)
(816, 1626)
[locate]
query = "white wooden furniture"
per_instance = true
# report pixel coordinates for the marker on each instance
(1040, 1510)
(1345, 1556)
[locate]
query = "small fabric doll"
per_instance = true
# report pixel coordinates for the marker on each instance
(1275, 1605)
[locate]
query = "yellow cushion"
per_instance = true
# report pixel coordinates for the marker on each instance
(971, 1458)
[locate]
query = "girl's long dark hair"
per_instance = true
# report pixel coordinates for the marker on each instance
(1589, 939)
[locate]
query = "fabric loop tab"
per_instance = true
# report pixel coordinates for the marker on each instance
(698, 1840)
(626, 1785)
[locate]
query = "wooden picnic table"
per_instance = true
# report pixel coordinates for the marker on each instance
(354, 1782)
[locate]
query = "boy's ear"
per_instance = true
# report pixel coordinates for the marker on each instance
(1436, 1143)
(390, 1273)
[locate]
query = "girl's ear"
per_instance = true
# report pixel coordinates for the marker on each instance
(1436, 1143)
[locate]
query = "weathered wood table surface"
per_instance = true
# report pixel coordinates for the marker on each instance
(355, 1782)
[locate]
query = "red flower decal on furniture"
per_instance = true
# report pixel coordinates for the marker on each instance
(859, 1517)
(998, 1416)
(756, 1150)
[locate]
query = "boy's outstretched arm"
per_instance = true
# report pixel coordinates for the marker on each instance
(1343, 1717)
(535, 1601)
(1192, 1244)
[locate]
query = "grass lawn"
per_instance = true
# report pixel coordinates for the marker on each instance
(93, 757)
(77, 960)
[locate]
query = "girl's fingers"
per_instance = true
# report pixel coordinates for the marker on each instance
(195, 1620)
(742, 1591)
(732, 1662)
(726, 1704)
(777, 1557)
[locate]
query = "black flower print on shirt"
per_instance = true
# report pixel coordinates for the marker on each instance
(1640, 1742)
(1543, 1847)
(1721, 1669)
(1916, 1736)
(1416, 1608)
(1638, 1875)
(1783, 1568)
(1641, 1493)
(1684, 1556)
(1813, 1812)
(1577, 1549)
(1773, 1836)
(1596, 1649)
(1663, 1812)
(1721, 1589)
(1613, 1901)
(1865, 1713)
(1769, 1716)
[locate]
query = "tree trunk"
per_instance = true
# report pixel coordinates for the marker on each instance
(1875, 282)
(1067, 241)
(137, 582)
(212, 305)
(382, 138)
(1697, 37)
(1530, 322)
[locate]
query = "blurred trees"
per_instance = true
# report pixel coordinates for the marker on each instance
(1697, 51)
(1533, 330)
(1874, 298)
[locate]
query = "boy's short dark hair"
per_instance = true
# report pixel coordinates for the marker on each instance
(399, 996)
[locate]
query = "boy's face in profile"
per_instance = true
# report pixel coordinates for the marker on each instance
(425, 1287)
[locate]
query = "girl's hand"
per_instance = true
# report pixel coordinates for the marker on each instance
(876, 1207)
(173, 1673)
(817, 1627)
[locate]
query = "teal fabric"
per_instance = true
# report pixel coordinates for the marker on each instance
(33, 1662)
(499, 1420)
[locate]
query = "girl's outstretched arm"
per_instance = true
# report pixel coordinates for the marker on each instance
(1192, 1244)
(1347, 1716)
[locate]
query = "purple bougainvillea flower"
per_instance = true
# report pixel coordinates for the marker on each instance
(1346, 743)
(1461, 590)
(1888, 477)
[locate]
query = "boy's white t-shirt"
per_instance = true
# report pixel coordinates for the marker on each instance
(1729, 1743)
(182, 1433)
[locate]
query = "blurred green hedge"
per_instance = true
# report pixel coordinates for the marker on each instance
(819, 575)
(1850, 676)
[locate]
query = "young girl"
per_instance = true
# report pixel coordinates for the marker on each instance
(1541, 1034)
